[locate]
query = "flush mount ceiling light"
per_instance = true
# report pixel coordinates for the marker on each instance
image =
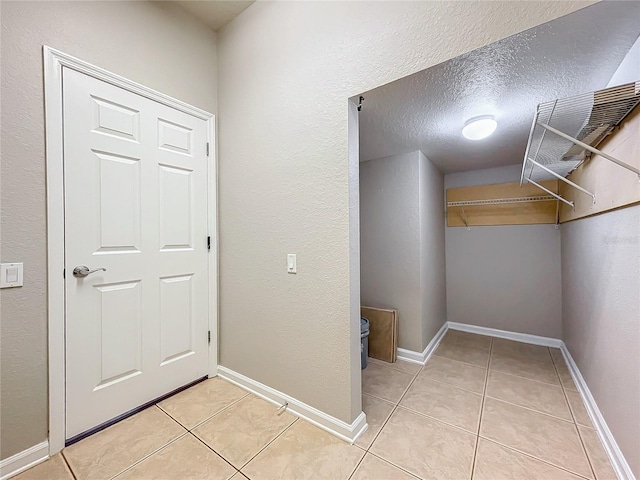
(478, 128)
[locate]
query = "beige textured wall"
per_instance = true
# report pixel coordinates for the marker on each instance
(506, 277)
(152, 43)
(601, 317)
(432, 250)
(286, 70)
(390, 241)
(402, 253)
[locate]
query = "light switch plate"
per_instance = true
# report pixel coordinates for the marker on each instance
(10, 275)
(291, 263)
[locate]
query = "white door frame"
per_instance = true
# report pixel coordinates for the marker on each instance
(54, 61)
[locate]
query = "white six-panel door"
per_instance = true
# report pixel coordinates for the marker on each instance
(135, 174)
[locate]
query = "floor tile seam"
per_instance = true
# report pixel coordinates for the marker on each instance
(454, 386)
(199, 424)
(384, 424)
(406, 390)
(294, 420)
(484, 396)
(66, 462)
(214, 451)
(559, 385)
(395, 408)
(137, 462)
(379, 398)
(298, 419)
(530, 455)
(570, 422)
(575, 424)
(391, 365)
(454, 360)
(358, 463)
(575, 416)
(378, 456)
(435, 354)
(430, 417)
(526, 378)
(170, 417)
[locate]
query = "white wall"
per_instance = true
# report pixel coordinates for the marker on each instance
(629, 69)
(153, 43)
(432, 250)
(601, 317)
(286, 70)
(390, 241)
(505, 277)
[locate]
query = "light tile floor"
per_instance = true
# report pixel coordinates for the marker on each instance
(482, 408)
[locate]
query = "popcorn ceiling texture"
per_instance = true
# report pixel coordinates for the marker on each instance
(286, 70)
(508, 79)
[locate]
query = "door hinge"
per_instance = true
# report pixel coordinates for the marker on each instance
(208, 243)
(209, 336)
(207, 149)
(64, 273)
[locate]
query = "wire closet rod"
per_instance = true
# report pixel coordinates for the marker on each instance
(501, 201)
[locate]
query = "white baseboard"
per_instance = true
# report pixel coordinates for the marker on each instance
(422, 357)
(343, 430)
(619, 463)
(518, 337)
(21, 461)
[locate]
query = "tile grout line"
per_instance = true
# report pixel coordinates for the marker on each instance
(533, 457)
(269, 443)
(353, 472)
(148, 456)
(455, 386)
(531, 409)
(206, 419)
(575, 422)
(394, 465)
(64, 459)
(397, 404)
(484, 396)
(211, 448)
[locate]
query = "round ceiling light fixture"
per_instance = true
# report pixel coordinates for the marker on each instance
(477, 128)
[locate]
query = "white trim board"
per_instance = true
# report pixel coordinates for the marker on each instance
(619, 463)
(54, 61)
(343, 430)
(515, 336)
(24, 460)
(422, 357)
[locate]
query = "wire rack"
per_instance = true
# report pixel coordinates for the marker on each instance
(566, 131)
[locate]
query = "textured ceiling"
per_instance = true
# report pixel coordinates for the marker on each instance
(426, 111)
(215, 13)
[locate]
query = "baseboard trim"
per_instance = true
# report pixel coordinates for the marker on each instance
(24, 460)
(518, 337)
(343, 430)
(619, 463)
(423, 357)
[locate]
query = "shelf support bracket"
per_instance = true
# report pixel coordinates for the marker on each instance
(590, 148)
(555, 195)
(565, 180)
(464, 218)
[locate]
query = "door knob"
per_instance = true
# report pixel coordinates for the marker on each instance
(83, 271)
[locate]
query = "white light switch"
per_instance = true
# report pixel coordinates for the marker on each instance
(291, 263)
(10, 275)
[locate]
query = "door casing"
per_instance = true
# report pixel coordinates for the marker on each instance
(54, 61)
